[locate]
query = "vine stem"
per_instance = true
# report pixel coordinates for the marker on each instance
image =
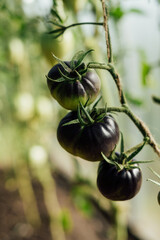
(110, 68)
(125, 108)
(107, 34)
(140, 125)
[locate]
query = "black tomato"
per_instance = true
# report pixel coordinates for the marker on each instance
(88, 141)
(118, 185)
(68, 93)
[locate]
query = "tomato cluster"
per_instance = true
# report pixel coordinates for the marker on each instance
(91, 133)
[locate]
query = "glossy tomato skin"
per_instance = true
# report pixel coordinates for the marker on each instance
(118, 185)
(69, 93)
(88, 141)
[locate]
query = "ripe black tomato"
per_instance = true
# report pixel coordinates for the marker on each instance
(118, 185)
(88, 141)
(68, 93)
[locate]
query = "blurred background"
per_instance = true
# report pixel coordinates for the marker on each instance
(45, 193)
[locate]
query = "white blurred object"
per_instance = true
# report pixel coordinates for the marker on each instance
(44, 107)
(24, 104)
(36, 7)
(38, 155)
(17, 51)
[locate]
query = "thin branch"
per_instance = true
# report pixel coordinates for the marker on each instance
(84, 23)
(107, 34)
(140, 125)
(115, 76)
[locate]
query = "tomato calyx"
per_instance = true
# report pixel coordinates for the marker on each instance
(87, 116)
(72, 70)
(125, 160)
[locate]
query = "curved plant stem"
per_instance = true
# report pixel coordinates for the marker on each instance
(124, 106)
(110, 68)
(140, 125)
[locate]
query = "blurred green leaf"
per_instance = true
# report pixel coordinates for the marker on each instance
(146, 68)
(156, 99)
(81, 201)
(84, 205)
(66, 220)
(135, 10)
(117, 13)
(134, 100)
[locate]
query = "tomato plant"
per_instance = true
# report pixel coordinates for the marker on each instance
(70, 82)
(119, 182)
(88, 138)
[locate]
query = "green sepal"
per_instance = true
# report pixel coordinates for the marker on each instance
(111, 161)
(75, 121)
(122, 144)
(56, 80)
(78, 58)
(81, 120)
(86, 103)
(89, 118)
(137, 162)
(65, 76)
(96, 103)
(132, 155)
(66, 68)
